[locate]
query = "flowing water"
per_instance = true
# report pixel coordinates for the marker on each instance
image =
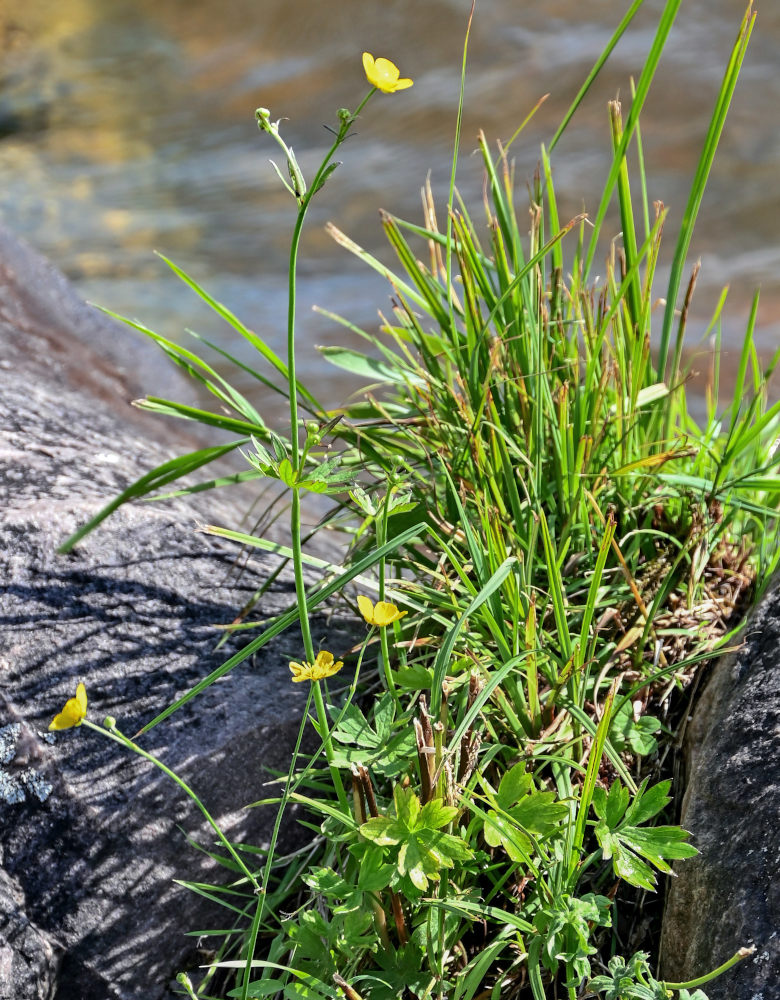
(128, 127)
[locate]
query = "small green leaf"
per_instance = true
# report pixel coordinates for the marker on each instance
(648, 802)
(280, 448)
(434, 815)
(539, 812)
(325, 175)
(617, 801)
(374, 873)
(501, 831)
(354, 728)
(363, 501)
(629, 867)
(515, 783)
(383, 831)
(262, 455)
(286, 472)
(328, 882)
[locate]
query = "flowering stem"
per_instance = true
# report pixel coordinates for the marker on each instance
(737, 957)
(381, 529)
(119, 737)
(305, 201)
(346, 120)
(338, 784)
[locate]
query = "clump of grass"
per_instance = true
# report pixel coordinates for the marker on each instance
(567, 544)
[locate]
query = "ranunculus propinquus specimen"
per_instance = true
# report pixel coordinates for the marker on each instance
(382, 613)
(74, 711)
(324, 666)
(383, 74)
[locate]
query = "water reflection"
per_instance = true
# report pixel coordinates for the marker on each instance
(128, 127)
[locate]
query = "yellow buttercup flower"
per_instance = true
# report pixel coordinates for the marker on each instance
(382, 613)
(323, 666)
(73, 713)
(383, 74)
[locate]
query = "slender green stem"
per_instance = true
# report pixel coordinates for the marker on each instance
(381, 532)
(737, 957)
(295, 457)
(300, 586)
(305, 201)
(119, 737)
(251, 944)
(322, 716)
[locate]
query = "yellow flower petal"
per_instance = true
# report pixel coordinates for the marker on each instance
(300, 672)
(73, 712)
(366, 609)
(324, 666)
(386, 613)
(382, 614)
(383, 74)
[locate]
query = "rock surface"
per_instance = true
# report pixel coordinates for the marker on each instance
(729, 896)
(91, 837)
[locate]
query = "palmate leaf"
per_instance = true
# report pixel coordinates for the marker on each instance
(564, 934)
(383, 747)
(633, 980)
(630, 846)
(622, 984)
(414, 840)
(626, 731)
(522, 812)
(401, 972)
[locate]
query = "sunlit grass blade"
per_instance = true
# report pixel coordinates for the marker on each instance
(598, 66)
(160, 476)
(284, 621)
(229, 317)
(642, 89)
(699, 184)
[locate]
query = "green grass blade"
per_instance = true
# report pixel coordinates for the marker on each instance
(700, 180)
(222, 311)
(598, 66)
(643, 86)
(160, 476)
(444, 655)
(289, 618)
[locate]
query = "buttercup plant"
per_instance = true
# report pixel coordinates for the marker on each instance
(324, 666)
(382, 75)
(381, 614)
(73, 713)
(566, 543)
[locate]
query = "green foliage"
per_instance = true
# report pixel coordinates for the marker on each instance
(520, 814)
(532, 488)
(564, 934)
(636, 735)
(379, 744)
(413, 841)
(625, 842)
(633, 980)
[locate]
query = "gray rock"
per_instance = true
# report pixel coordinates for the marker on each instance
(29, 958)
(91, 837)
(729, 896)
(48, 333)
